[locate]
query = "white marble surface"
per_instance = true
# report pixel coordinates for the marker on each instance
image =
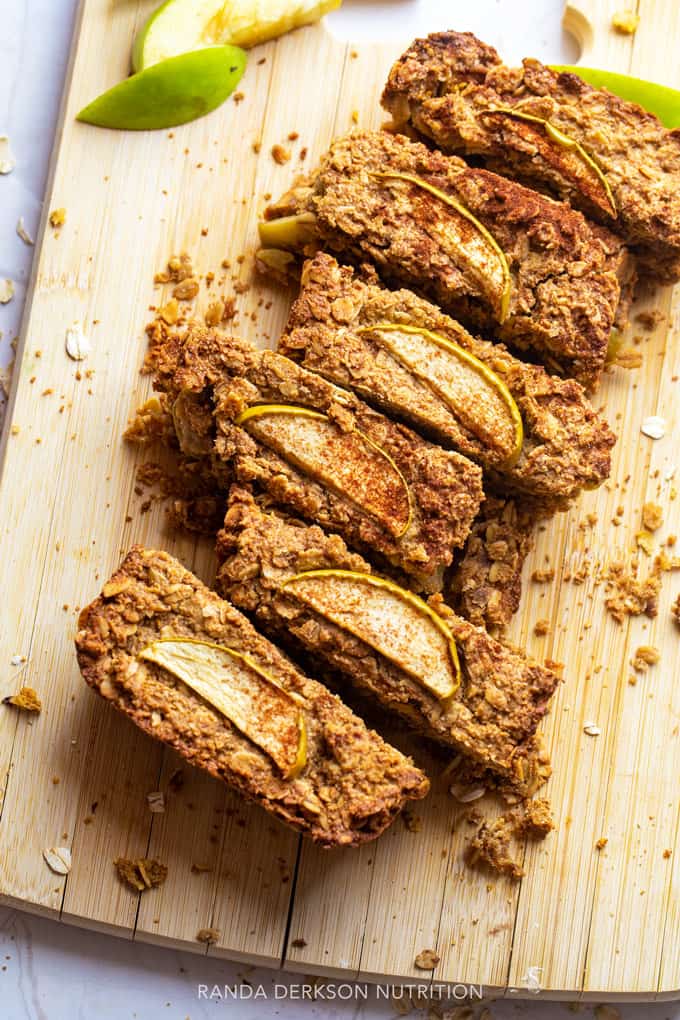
(50, 971)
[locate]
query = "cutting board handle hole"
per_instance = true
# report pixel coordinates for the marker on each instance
(577, 32)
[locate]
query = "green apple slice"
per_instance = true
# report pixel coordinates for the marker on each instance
(392, 620)
(249, 696)
(181, 25)
(662, 101)
(576, 161)
(477, 249)
(348, 463)
(170, 93)
(465, 384)
(288, 231)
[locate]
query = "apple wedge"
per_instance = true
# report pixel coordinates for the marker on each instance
(584, 168)
(392, 620)
(173, 92)
(245, 694)
(465, 384)
(349, 463)
(181, 25)
(476, 248)
(288, 231)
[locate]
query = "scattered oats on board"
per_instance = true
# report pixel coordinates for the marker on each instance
(23, 232)
(7, 160)
(6, 291)
(58, 859)
(654, 426)
(78, 345)
(156, 802)
(592, 729)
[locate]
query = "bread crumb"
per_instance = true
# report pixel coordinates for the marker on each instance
(141, 874)
(179, 268)
(57, 218)
(229, 310)
(491, 844)
(652, 516)
(645, 656)
(543, 576)
(238, 97)
(169, 312)
(649, 320)
(280, 155)
(26, 700)
(541, 627)
(426, 959)
(601, 843)
(626, 595)
(534, 819)
(645, 542)
(625, 22)
(186, 290)
(214, 313)
(208, 935)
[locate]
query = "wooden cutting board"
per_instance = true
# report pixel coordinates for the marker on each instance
(595, 923)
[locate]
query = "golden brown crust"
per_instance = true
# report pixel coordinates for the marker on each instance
(208, 379)
(353, 784)
(493, 716)
(564, 288)
(442, 85)
(566, 443)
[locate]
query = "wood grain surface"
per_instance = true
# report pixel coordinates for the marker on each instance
(594, 923)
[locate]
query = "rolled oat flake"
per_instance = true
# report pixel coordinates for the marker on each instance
(77, 344)
(58, 859)
(654, 426)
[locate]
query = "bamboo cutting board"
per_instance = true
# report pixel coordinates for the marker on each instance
(594, 924)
